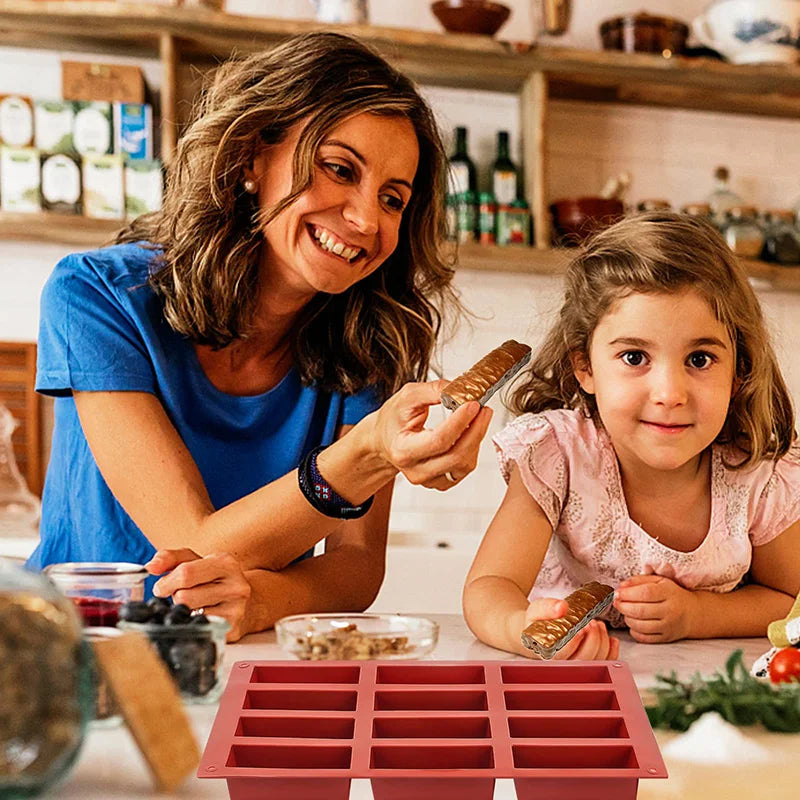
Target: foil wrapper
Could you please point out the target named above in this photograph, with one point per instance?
(486, 377)
(547, 636)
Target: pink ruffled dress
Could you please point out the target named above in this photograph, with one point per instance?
(569, 466)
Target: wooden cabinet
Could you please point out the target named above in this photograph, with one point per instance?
(190, 42)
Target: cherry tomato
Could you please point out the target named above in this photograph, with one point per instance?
(785, 665)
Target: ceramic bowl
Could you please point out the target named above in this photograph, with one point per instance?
(751, 31)
(471, 16)
(577, 218)
(644, 33)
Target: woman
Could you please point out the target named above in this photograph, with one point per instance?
(290, 284)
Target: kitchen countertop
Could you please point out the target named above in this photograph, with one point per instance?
(111, 768)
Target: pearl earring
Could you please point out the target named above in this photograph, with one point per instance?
(250, 186)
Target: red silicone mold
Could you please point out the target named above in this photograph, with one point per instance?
(446, 730)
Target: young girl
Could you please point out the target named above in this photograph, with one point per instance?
(654, 453)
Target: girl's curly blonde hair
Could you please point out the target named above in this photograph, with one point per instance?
(382, 330)
(664, 252)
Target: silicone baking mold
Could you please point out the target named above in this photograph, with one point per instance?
(446, 730)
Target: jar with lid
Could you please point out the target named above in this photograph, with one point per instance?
(45, 667)
(700, 210)
(781, 237)
(98, 589)
(742, 232)
(487, 218)
(722, 199)
(514, 223)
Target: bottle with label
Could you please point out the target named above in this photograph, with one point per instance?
(462, 170)
(467, 215)
(487, 218)
(504, 173)
(722, 199)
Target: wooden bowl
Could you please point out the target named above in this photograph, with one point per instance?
(644, 33)
(471, 16)
(577, 218)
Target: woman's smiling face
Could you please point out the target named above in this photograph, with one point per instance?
(347, 223)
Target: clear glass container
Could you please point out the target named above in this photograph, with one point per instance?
(98, 589)
(742, 232)
(19, 507)
(701, 210)
(45, 681)
(344, 637)
(781, 238)
(106, 714)
(192, 652)
(653, 205)
(722, 199)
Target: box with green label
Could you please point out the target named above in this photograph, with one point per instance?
(143, 187)
(54, 121)
(103, 193)
(20, 180)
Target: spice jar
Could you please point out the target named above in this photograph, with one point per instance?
(653, 205)
(487, 218)
(781, 237)
(513, 223)
(45, 670)
(742, 232)
(700, 210)
(98, 589)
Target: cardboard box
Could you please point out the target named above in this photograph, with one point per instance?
(133, 130)
(54, 121)
(61, 183)
(103, 195)
(92, 131)
(20, 180)
(144, 184)
(85, 80)
(16, 121)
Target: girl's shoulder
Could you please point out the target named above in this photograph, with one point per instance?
(569, 428)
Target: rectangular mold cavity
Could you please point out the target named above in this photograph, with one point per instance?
(296, 727)
(300, 700)
(431, 728)
(542, 756)
(288, 757)
(430, 701)
(548, 700)
(567, 673)
(426, 758)
(461, 673)
(316, 673)
(567, 728)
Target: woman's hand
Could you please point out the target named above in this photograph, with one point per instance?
(591, 643)
(656, 609)
(437, 458)
(215, 583)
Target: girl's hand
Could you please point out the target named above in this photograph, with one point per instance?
(656, 609)
(215, 583)
(591, 643)
(423, 455)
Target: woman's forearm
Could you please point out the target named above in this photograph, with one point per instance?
(344, 579)
(494, 610)
(743, 612)
(272, 526)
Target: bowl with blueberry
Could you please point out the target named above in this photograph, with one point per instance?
(190, 644)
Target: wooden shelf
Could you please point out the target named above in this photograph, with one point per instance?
(58, 229)
(468, 61)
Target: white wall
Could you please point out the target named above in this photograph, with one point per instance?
(669, 154)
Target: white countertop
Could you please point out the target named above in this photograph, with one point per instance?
(110, 767)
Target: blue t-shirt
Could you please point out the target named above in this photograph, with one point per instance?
(102, 329)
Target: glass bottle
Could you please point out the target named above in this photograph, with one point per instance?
(504, 173)
(742, 232)
(722, 199)
(462, 169)
(781, 237)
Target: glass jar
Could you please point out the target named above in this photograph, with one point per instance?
(781, 237)
(742, 232)
(700, 210)
(105, 712)
(653, 205)
(98, 589)
(45, 672)
(722, 199)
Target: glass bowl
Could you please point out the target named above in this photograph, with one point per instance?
(192, 653)
(347, 637)
(98, 589)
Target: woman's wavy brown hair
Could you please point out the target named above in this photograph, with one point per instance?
(381, 331)
(664, 252)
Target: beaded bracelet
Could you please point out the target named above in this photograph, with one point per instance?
(321, 495)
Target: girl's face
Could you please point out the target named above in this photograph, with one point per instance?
(662, 372)
(347, 223)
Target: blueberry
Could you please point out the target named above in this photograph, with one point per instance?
(178, 615)
(159, 608)
(135, 611)
(198, 619)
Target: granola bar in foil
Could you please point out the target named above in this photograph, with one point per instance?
(547, 636)
(491, 373)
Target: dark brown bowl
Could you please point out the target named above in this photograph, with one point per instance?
(644, 33)
(471, 16)
(577, 218)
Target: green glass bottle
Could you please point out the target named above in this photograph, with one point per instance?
(504, 173)
(462, 170)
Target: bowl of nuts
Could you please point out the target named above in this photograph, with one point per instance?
(348, 637)
(190, 644)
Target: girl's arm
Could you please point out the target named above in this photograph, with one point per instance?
(152, 474)
(775, 570)
(495, 596)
